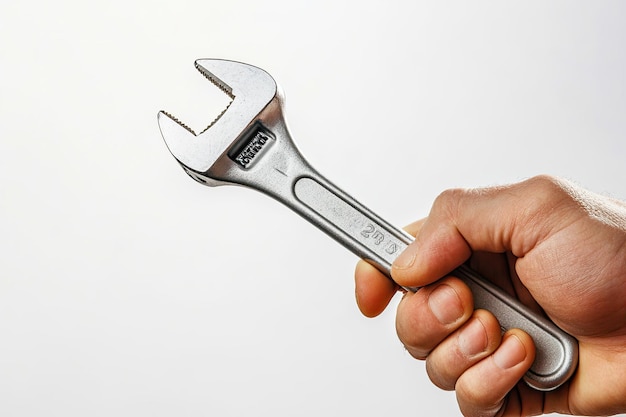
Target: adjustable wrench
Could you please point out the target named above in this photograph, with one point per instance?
(249, 145)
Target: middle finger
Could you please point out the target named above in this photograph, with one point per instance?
(427, 317)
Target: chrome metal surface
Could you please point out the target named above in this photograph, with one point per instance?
(249, 144)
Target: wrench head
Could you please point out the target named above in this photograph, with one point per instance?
(251, 90)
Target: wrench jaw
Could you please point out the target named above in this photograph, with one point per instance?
(252, 91)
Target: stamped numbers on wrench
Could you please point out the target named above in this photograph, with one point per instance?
(379, 237)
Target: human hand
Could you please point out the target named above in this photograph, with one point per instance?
(559, 249)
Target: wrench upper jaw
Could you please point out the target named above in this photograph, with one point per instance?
(251, 89)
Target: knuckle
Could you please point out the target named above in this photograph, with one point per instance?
(465, 348)
(544, 194)
(439, 375)
(478, 402)
(549, 189)
(448, 200)
(420, 328)
(416, 353)
(545, 184)
(415, 340)
(412, 330)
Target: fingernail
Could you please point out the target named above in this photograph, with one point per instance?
(445, 304)
(473, 338)
(406, 259)
(510, 353)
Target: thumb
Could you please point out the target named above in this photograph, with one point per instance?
(496, 219)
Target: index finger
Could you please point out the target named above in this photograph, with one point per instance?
(373, 290)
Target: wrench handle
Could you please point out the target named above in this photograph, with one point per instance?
(379, 243)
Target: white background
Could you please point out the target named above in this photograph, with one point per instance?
(127, 289)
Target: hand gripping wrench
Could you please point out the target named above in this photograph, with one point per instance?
(249, 145)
